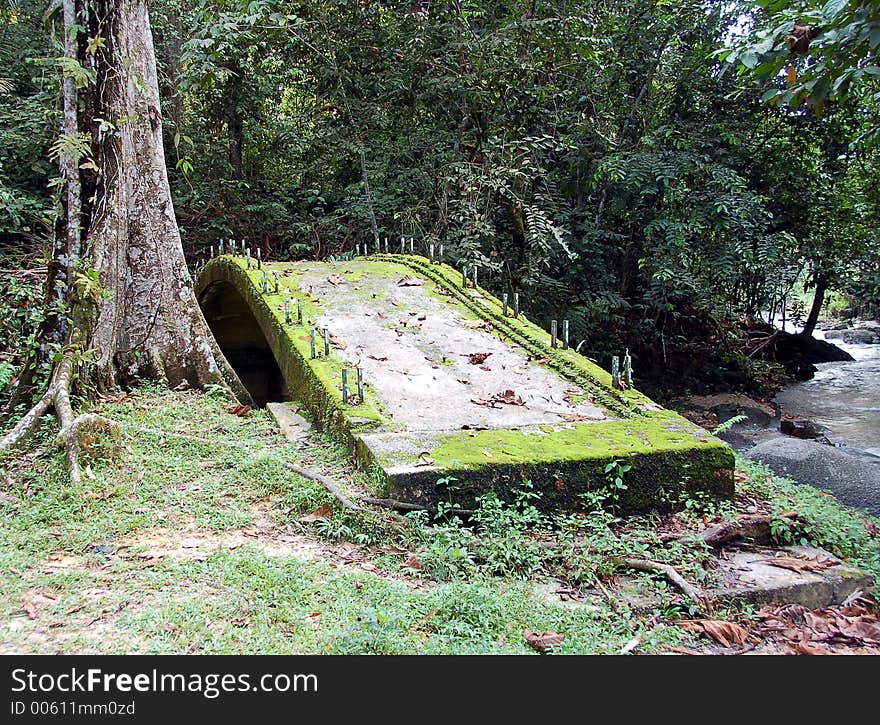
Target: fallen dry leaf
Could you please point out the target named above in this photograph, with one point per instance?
(806, 648)
(861, 631)
(799, 564)
(174, 629)
(31, 610)
(853, 626)
(408, 281)
(542, 361)
(543, 641)
(377, 359)
(242, 411)
(336, 280)
(478, 325)
(413, 563)
(244, 621)
(574, 417)
(570, 393)
(725, 633)
(338, 342)
(477, 358)
(324, 511)
(508, 397)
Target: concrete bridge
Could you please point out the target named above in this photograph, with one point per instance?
(429, 378)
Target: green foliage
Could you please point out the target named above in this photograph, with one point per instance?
(827, 48)
(504, 529)
(594, 157)
(27, 122)
(728, 424)
(20, 316)
(602, 503)
(186, 528)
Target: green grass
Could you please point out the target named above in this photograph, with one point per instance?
(184, 538)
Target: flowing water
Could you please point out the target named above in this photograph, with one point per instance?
(844, 397)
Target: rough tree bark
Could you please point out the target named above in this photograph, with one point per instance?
(147, 321)
(816, 307)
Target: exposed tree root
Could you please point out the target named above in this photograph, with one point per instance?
(28, 422)
(391, 503)
(388, 503)
(346, 502)
(350, 505)
(57, 396)
(693, 593)
(746, 527)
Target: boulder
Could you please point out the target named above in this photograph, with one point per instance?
(811, 350)
(852, 479)
(862, 336)
(802, 428)
(855, 336)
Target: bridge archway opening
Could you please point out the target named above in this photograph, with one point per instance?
(242, 341)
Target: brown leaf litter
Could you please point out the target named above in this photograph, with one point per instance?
(496, 400)
(477, 358)
(544, 642)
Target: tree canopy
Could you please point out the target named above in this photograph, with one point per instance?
(600, 158)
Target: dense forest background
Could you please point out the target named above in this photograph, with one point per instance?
(599, 158)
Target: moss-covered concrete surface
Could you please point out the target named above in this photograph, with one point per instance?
(454, 390)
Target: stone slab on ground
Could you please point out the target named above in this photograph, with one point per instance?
(453, 388)
(748, 575)
(751, 576)
(293, 426)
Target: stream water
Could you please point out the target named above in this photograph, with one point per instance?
(844, 397)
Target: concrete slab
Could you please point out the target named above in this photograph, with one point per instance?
(293, 426)
(748, 575)
(752, 577)
(414, 348)
(454, 389)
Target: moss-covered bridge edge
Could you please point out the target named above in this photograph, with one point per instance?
(671, 458)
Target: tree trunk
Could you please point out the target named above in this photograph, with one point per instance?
(133, 313)
(54, 329)
(234, 121)
(816, 308)
(69, 169)
(147, 322)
